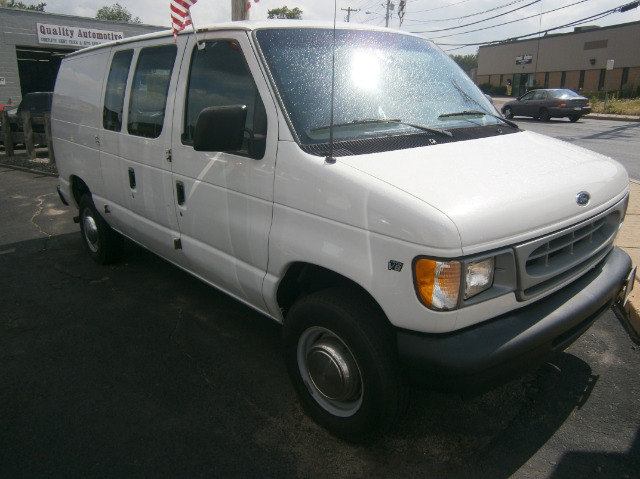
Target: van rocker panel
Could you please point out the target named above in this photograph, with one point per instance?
(495, 351)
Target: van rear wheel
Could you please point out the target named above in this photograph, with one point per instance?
(103, 244)
(341, 358)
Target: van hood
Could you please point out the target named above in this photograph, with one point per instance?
(505, 189)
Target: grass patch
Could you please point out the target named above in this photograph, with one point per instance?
(623, 106)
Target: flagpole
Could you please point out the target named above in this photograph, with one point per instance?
(195, 34)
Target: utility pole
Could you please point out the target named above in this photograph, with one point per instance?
(349, 10)
(239, 10)
(390, 6)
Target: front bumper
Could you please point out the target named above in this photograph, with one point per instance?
(491, 353)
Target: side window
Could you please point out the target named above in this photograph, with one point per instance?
(149, 90)
(114, 96)
(528, 96)
(220, 76)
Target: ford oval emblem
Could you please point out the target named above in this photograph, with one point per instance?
(583, 198)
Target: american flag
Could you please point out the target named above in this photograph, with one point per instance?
(180, 16)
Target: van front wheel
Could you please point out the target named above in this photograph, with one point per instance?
(103, 244)
(343, 364)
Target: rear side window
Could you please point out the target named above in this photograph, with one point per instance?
(220, 76)
(114, 95)
(149, 90)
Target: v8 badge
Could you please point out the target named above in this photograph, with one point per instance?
(395, 265)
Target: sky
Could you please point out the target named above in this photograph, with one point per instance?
(447, 22)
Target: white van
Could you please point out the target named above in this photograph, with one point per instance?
(353, 185)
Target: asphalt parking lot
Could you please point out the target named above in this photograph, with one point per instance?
(140, 370)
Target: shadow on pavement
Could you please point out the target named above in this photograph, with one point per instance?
(140, 370)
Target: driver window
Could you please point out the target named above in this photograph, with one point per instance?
(220, 76)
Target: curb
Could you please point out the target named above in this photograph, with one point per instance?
(631, 311)
(606, 116)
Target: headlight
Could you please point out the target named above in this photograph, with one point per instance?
(439, 283)
(478, 277)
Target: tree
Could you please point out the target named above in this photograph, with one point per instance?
(39, 7)
(117, 13)
(466, 62)
(284, 12)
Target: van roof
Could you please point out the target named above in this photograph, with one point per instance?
(241, 25)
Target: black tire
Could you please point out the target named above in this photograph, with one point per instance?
(103, 244)
(508, 113)
(335, 332)
(574, 118)
(544, 115)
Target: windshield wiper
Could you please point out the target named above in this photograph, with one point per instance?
(478, 113)
(369, 121)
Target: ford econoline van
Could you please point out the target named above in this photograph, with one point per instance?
(354, 185)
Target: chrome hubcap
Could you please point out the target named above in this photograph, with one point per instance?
(330, 372)
(90, 232)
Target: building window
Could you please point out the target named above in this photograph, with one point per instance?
(625, 78)
(563, 79)
(489, 80)
(603, 72)
(546, 80)
(581, 80)
(501, 78)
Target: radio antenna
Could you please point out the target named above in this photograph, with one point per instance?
(330, 158)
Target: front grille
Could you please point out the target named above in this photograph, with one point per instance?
(551, 260)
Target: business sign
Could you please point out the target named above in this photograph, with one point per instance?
(79, 37)
(524, 59)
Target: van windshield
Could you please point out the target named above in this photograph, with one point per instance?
(385, 84)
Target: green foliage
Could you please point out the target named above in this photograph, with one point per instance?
(466, 62)
(117, 13)
(617, 106)
(39, 7)
(493, 90)
(630, 92)
(285, 12)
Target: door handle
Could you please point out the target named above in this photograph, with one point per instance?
(180, 192)
(132, 178)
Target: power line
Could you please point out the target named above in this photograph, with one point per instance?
(467, 16)
(440, 8)
(597, 16)
(507, 23)
(480, 21)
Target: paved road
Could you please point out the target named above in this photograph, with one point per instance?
(617, 139)
(139, 370)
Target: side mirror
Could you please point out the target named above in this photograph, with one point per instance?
(220, 128)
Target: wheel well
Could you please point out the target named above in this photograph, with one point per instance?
(79, 188)
(303, 279)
